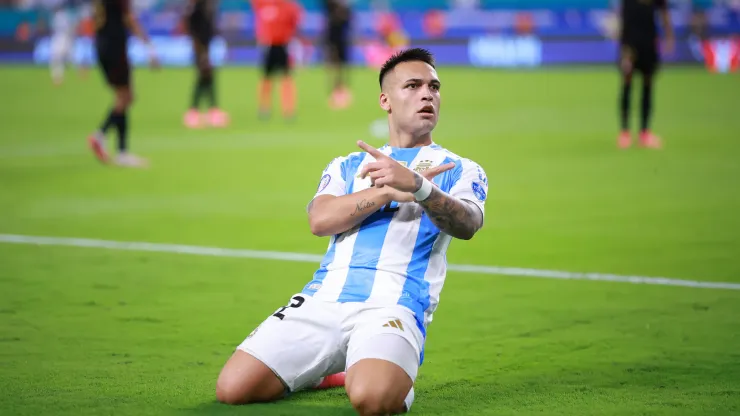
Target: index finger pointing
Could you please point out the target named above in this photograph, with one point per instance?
(371, 150)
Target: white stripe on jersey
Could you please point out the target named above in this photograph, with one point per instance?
(437, 268)
(337, 270)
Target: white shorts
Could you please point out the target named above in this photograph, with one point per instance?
(310, 339)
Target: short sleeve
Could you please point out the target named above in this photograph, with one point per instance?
(472, 184)
(332, 179)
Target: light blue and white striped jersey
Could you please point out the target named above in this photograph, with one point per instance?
(396, 256)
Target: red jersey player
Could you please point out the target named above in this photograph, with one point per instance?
(276, 23)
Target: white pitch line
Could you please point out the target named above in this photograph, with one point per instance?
(314, 258)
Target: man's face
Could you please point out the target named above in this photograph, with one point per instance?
(411, 96)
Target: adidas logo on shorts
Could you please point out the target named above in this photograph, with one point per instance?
(395, 324)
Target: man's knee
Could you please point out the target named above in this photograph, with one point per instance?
(376, 399)
(124, 97)
(377, 387)
(244, 379)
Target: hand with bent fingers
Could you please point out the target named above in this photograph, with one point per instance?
(387, 172)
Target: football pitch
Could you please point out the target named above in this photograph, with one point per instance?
(121, 329)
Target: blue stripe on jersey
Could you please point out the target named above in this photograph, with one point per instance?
(349, 169)
(415, 295)
(369, 243)
(454, 174)
(318, 277)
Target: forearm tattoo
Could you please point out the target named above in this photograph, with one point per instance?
(362, 206)
(456, 217)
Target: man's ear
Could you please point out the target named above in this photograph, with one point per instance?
(385, 102)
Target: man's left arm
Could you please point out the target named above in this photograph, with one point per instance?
(459, 213)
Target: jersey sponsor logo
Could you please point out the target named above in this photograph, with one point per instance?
(314, 286)
(324, 182)
(479, 191)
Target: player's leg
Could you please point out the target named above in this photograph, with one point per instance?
(338, 56)
(648, 70)
(293, 349)
(118, 74)
(383, 362)
(216, 116)
(59, 46)
(626, 66)
(246, 379)
(265, 86)
(332, 64)
(124, 98)
(288, 93)
(192, 117)
(345, 98)
(106, 63)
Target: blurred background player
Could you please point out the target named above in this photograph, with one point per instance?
(276, 24)
(337, 38)
(393, 39)
(113, 20)
(200, 22)
(63, 23)
(639, 51)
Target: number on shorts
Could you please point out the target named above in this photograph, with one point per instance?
(298, 301)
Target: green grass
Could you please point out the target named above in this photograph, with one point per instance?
(90, 331)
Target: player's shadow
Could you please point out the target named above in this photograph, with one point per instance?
(299, 404)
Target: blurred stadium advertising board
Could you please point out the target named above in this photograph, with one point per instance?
(529, 33)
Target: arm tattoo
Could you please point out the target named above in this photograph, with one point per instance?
(456, 217)
(361, 206)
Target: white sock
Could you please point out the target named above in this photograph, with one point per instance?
(409, 399)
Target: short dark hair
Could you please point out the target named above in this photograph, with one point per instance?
(409, 55)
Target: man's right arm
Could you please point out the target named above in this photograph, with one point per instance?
(330, 215)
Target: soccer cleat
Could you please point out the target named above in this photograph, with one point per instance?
(625, 140)
(218, 118)
(331, 381)
(192, 119)
(95, 141)
(649, 140)
(127, 160)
